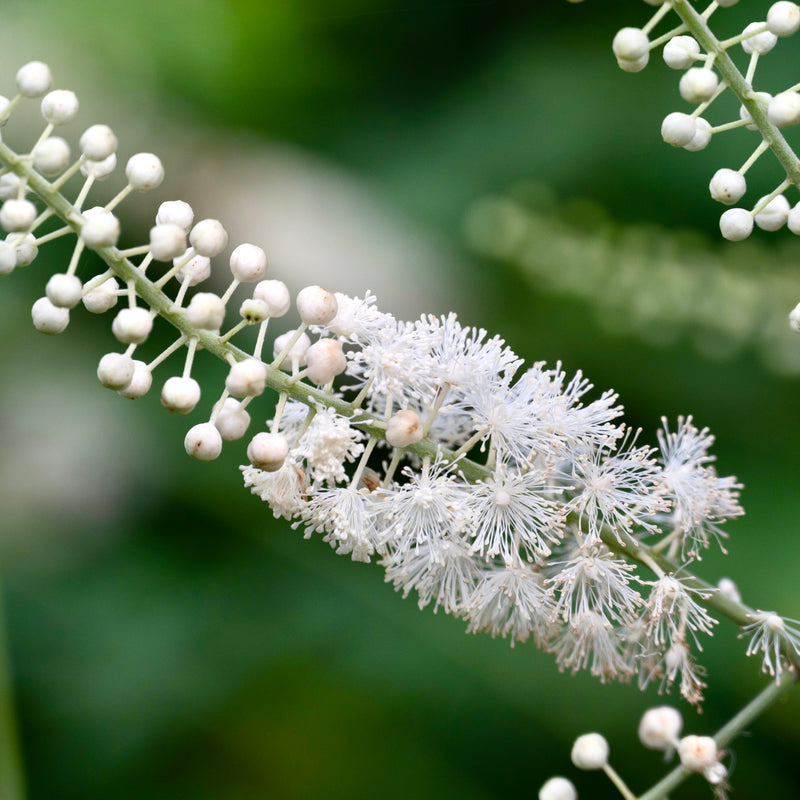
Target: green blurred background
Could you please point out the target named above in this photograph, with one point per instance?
(170, 639)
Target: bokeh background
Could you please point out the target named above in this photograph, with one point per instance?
(169, 639)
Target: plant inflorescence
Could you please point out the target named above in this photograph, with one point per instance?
(511, 497)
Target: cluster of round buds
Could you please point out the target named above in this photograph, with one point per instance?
(183, 249)
(660, 729)
(700, 85)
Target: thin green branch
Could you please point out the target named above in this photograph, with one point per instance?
(698, 26)
(212, 342)
(760, 703)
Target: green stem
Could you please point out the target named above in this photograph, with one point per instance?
(699, 28)
(760, 703)
(151, 293)
(12, 784)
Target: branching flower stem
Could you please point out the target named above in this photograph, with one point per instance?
(739, 613)
(283, 384)
(697, 25)
(763, 700)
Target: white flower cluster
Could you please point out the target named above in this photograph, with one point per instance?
(502, 495)
(504, 514)
(700, 85)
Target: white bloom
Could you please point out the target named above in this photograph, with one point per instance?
(678, 662)
(442, 571)
(672, 611)
(702, 501)
(346, 515)
(388, 361)
(515, 512)
(617, 489)
(594, 579)
(511, 601)
(358, 320)
(284, 490)
(591, 641)
(431, 506)
(327, 445)
(770, 634)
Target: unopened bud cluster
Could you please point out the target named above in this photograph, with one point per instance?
(660, 729)
(700, 85)
(501, 494)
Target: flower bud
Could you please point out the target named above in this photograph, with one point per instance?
(761, 43)
(98, 142)
(590, 751)
(698, 84)
(203, 442)
(115, 371)
(101, 228)
(633, 66)
(144, 171)
(100, 170)
(17, 215)
(132, 325)
(248, 263)
(774, 214)
(34, 79)
(26, 250)
(64, 290)
(404, 428)
(167, 241)
(268, 451)
(206, 310)
(702, 136)
(660, 728)
(794, 318)
(48, 318)
(558, 789)
(297, 355)
(102, 298)
(784, 109)
(316, 306)
(728, 588)
(51, 156)
(325, 360)
(175, 212)
(8, 258)
(140, 383)
(727, 186)
(180, 395)
(678, 129)
(9, 186)
(208, 237)
(232, 421)
(630, 44)
(275, 294)
(736, 224)
(196, 270)
(783, 18)
(246, 378)
(680, 52)
(60, 107)
(697, 753)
